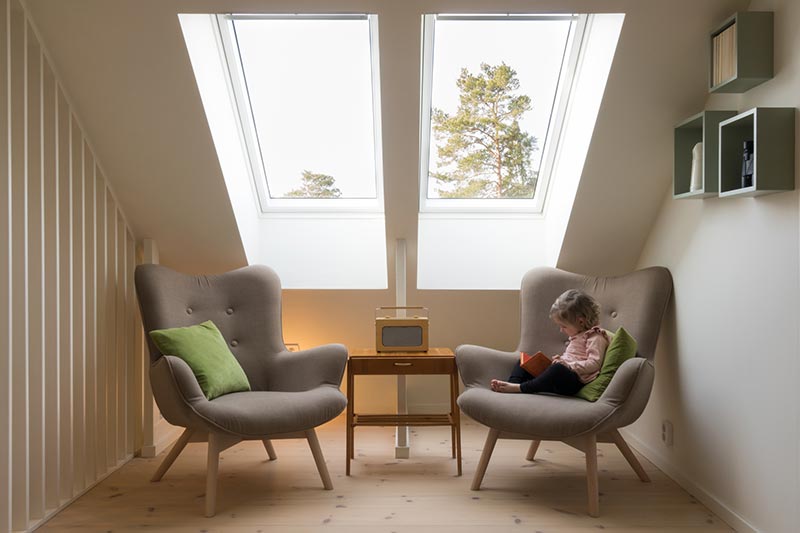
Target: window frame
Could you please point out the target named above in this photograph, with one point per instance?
(240, 99)
(533, 206)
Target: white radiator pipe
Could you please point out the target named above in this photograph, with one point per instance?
(401, 450)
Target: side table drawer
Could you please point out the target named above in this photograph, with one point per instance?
(410, 365)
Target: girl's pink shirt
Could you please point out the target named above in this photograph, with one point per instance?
(584, 353)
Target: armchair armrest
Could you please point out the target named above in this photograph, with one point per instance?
(175, 389)
(479, 365)
(629, 391)
(308, 369)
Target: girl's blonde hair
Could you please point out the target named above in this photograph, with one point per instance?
(573, 305)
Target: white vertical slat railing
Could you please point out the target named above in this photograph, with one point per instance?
(102, 321)
(78, 347)
(5, 276)
(111, 334)
(133, 363)
(64, 225)
(90, 331)
(19, 274)
(68, 323)
(35, 237)
(51, 291)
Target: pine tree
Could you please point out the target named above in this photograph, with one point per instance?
(315, 185)
(483, 153)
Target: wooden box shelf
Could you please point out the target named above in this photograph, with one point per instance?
(772, 131)
(741, 51)
(702, 127)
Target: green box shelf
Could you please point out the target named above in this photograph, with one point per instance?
(747, 61)
(772, 131)
(702, 127)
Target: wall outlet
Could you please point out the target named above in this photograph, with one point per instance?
(666, 432)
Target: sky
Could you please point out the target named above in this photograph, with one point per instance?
(310, 85)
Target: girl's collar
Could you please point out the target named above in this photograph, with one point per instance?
(596, 329)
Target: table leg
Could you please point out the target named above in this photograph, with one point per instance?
(453, 436)
(456, 417)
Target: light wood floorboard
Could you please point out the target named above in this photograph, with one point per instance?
(385, 494)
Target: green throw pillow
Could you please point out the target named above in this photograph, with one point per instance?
(205, 351)
(621, 348)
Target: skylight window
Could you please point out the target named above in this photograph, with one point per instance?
(494, 93)
(497, 233)
(306, 88)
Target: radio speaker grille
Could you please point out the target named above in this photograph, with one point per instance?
(401, 335)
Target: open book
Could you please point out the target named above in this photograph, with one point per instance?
(534, 364)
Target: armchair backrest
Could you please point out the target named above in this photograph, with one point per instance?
(244, 304)
(635, 301)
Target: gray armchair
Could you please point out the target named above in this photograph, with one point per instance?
(635, 301)
(292, 393)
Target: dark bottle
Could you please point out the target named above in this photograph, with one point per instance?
(747, 164)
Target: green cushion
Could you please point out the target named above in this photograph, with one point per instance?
(621, 348)
(205, 351)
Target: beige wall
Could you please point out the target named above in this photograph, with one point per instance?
(727, 364)
(66, 408)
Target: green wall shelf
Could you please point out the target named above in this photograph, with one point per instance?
(746, 61)
(772, 131)
(702, 127)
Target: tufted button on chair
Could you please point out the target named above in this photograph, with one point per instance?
(292, 393)
(635, 301)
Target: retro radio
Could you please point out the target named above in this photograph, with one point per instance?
(401, 329)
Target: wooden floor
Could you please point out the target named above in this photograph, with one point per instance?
(385, 494)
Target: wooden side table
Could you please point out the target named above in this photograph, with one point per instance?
(371, 363)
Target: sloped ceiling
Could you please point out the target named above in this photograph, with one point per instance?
(125, 66)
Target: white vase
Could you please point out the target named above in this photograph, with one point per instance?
(696, 182)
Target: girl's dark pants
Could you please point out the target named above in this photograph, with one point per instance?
(557, 379)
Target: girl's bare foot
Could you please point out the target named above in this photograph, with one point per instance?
(504, 386)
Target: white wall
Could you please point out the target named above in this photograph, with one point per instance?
(727, 363)
(67, 317)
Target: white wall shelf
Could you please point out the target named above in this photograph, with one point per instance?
(772, 131)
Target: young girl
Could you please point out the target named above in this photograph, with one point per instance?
(577, 315)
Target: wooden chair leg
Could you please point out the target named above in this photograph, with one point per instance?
(488, 448)
(214, 448)
(627, 453)
(316, 451)
(532, 450)
(173, 454)
(591, 476)
(270, 449)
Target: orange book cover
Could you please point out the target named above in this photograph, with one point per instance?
(534, 364)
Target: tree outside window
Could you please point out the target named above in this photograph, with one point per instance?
(315, 185)
(482, 151)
